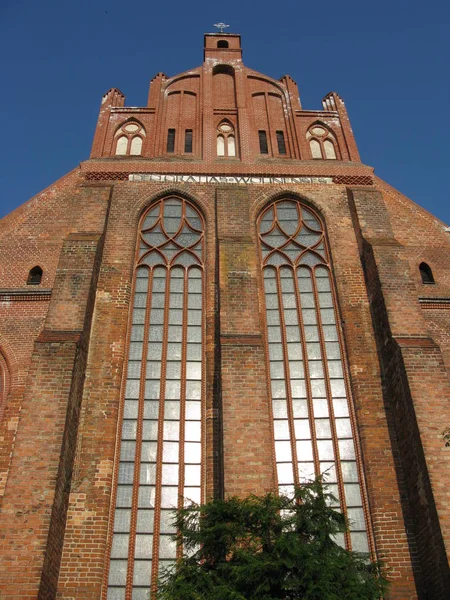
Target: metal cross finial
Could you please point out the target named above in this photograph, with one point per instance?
(221, 26)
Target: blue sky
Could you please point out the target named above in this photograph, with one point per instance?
(388, 61)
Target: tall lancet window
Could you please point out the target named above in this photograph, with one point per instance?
(313, 423)
(160, 454)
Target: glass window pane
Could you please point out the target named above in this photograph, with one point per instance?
(192, 452)
(300, 409)
(124, 493)
(306, 471)
(281, 430)
(340, 407)
(166, 523)
(142, 572)
(352, 494)
(153, 370)
(298, 388)
(343, 428)
(278, 388)
(302, 429)
(359, 542)
(167, 547)
(117, 572)
(143, 548)
(304, 451)
(122, 520)
(320, 407)
(356, 519)
(120, 546)
(170, 452)
(151, 409)
(115, 594)
(148, 452)
(284, 473)
(323, 429)
(126, 472)
(147, 474)
(279, 409)
(192, 494)
(146, 497)
(171, 409)
(193, 410)
(127, 450)
(169, 496)
(192, 475)
(325, 448)
(283, 451)
(130, 409)
(192, 431)
(193, 390)
(346, 449)
(349, 471)
(150, 430)
(144, 522)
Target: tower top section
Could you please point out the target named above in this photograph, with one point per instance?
(222, 46)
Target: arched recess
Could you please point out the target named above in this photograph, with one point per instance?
(226, 139)
(314, 427)
(322, 142)
(128, 138)
(224, 87)
(426, 273)
(5, 379)
(160, 449)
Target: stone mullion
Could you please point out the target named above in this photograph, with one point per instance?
(301, 326)
(138, 451)
(287, 381)
(183, 398)
(334, 437)
(159, 453)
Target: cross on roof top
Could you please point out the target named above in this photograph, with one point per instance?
(221, 26)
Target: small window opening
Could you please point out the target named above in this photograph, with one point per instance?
(34, 276)
(263, 147)
(426, 273)
(281, 143)
(222, 44)
(188, 141)
(136, 146)
(171, 140)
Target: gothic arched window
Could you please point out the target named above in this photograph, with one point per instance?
(321, 142)
(226, 141)
(160, 460)
(426, 273)
(35, 276)
(312, 417)
(129, 139)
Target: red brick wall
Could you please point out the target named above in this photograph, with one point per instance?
(65, 342)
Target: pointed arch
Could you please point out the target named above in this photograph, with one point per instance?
(130, 136)
(226, 139)
(426, 273)
(322, 141)
(160, 457)
(35, 276)
(313, 419)
(5, 379)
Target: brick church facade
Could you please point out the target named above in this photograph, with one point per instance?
(222, 300)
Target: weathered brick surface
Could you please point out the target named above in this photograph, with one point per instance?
(63, 346)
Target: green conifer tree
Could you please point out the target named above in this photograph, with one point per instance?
(268, 548)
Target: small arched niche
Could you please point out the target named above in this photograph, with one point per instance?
(426, 273)
(222, 44)
(35, 276)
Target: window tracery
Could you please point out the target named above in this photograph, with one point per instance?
(160, 461)
(312, 415)
(226, 140)
(130, 138)
(322, 142)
